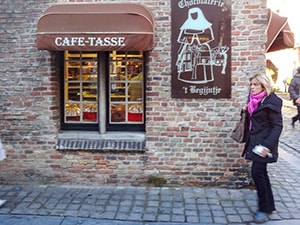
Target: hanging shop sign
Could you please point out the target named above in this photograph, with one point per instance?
(201, 49)
(89, 41)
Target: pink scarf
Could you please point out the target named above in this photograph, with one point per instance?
(254, 101)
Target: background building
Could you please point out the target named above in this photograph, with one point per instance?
(286, 61)
(68, 115)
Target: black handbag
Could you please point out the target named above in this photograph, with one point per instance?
(240, 131)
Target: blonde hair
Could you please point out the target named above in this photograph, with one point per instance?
(264, 81)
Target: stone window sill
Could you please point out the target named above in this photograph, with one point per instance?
(93, 141)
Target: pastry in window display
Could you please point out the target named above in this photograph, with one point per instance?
(135, 108)
(135, 112)
(90, 112)
(88, 94)
(72, 112)
(74, 63)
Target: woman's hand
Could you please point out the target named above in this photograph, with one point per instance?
(265, 152)
(262, 151)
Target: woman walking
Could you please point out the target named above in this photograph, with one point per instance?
(261, 147)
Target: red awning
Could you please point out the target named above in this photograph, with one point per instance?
(279, 34)
(96, 27)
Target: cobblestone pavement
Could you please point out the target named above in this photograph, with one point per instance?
(289, 138)
(72, 205)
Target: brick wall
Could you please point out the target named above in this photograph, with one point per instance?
(187, 140)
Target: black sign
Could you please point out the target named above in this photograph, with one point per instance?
(201, 48)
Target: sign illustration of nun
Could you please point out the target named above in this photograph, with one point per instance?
(195, 52)
(200, 50)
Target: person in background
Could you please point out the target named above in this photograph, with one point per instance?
(294, 90)
(2, 157)
(261, 147)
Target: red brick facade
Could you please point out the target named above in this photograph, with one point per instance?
(187, 140)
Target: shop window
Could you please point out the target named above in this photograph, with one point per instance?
(126, 88)
(103, 90)
(81, 88)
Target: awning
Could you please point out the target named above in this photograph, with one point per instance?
(279, 34)
(96, 27)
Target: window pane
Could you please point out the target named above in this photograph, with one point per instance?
(118, 112)
(81, 89)
(126, 88)
(72, 112)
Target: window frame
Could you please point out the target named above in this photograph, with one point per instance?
(103, 125)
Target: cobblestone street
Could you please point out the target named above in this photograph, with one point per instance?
(289, 139)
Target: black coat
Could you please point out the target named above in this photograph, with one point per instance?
(294, 87)
(266, 129)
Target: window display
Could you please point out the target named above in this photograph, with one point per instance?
(81, 89)
(126, 87)
(123, 89)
